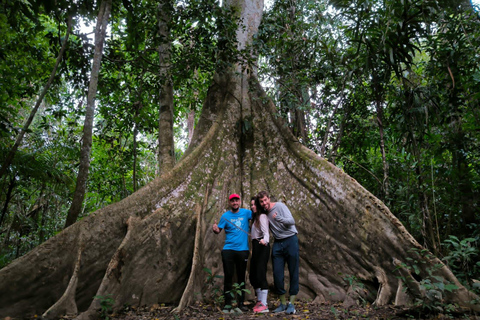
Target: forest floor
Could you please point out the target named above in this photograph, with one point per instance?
(305, 310)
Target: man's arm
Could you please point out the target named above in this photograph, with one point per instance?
(283, 215)
(215, 228)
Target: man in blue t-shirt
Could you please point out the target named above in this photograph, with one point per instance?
(235, 251)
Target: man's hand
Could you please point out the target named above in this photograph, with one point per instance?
(263, 243)
(274, 215)
(215, 227)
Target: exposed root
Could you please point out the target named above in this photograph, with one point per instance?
(324, 290)
(187, 295)
(385, 291)
(66, 304)
(114, 267)
(413, 285)
(355, 295)
(402, 298)
(317, 287)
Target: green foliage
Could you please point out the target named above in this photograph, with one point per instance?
(213, 293)
(432, 287)
(237, 290)
(106, 304)
(462, 256)
(357, 287)
(353, 282)
(334, 312)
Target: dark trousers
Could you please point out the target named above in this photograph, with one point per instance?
(258, 265)
(234, 261)
(286, 250)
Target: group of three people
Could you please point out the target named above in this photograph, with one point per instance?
(265, 216)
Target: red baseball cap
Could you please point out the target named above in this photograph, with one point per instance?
(233, 196)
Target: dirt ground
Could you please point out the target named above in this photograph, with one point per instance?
(305, 310)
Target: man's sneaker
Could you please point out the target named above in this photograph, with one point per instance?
(225, 310)
(290, 309)
(280, 308)
(243, 307)
(260, 308)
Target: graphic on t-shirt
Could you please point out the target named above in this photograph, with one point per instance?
(236, 228)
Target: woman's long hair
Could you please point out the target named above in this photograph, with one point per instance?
(260, 210)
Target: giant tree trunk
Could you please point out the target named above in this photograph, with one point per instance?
(151, 247)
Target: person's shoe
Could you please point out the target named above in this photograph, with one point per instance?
(225, 310)
(257, 305)
(280, 308)
(243, 307)
(260, 308)
(237, 311)
(290, 309)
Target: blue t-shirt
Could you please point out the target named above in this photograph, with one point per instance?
(233, 224)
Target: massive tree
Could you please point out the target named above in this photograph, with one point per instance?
(152, 246)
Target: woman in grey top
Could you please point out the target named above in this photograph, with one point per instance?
(260, 255)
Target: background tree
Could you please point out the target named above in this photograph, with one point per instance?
(100, 32)
(166, 148)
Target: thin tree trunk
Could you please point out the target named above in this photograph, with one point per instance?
(137, 106)
(467, 203)
(41, 234)
(21, 134)
(427, 223)
(300, 124)
(135, 132)
(190, 124)
(166, 149)
(385, 183)
(329, 124)
(333, 154)
(80, 188)
(298, 114)
(11, 185)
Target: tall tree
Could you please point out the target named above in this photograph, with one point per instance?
(82, 177)
(166, 147)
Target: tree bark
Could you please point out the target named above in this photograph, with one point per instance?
(82, 177)
(289, 84)
(166, 148)
(329, 125)
(146, 248)
(190, 124)
(21, 134)
(385, 184)
(338, 139)
(11, 185)
(134, 178)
